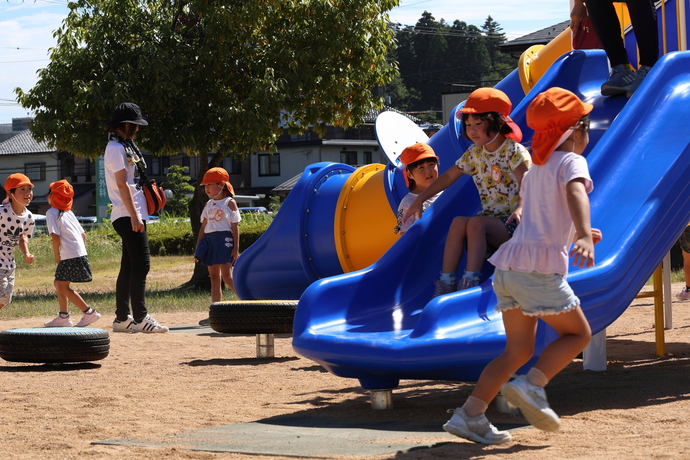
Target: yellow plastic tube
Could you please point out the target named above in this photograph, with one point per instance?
(364, 221)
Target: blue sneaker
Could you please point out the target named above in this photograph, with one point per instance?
(619, 82)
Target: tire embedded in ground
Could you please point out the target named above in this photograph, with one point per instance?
(54, 345)
(253, 316)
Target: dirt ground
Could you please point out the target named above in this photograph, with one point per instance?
(153, 386)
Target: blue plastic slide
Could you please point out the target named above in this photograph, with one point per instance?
(380, 324)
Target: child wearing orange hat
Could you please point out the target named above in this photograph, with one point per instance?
(218, 243)
(529, 281)
(69, 249)
(17, 225)
(421, 169)
(497, 162)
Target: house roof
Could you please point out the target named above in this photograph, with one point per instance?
(540, 37)
(287, 185)
(23, 143)
(373, 113)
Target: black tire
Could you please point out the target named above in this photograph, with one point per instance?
(253, 316)
(54, 345)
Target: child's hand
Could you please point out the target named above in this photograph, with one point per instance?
(414, 212)
(516, 216)
(29, 258)
(583, 253)
(596, 235)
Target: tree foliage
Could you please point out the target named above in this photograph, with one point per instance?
(433, 54)
(210, 75)
(178, 183)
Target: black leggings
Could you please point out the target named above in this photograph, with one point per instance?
(608, 29)
(134, 267)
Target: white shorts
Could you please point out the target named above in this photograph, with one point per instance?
(536, 294)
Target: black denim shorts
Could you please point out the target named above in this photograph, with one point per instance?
(684, 240)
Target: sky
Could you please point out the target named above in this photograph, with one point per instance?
(26, 32)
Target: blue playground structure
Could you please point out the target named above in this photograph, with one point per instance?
(377, 322)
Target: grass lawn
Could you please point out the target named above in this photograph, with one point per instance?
(34, 294)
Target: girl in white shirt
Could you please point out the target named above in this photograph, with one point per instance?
(69, 249)
(529, 281)
(219, 238)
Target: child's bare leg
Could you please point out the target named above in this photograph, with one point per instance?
(480, 231)
(520, 332)
(455, 244)
(574, 335)
(686, 267)
(216, 287)
(226, 273)
(66, 293)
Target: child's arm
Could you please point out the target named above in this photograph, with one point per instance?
(520, 172)
(24, 247)
(441, 183)
(236, 238)
(201, 236)
(56, 247)
(578, 205)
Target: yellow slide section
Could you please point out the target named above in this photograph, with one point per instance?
(364, 221)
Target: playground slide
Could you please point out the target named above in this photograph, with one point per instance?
(380, 324)
(338, 220)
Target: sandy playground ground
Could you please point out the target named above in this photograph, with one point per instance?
(154, 386)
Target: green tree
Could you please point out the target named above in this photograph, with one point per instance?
(178, 183)
(210, 76)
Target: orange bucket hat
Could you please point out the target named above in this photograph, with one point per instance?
(551, 115)
(13, 181)
(414, 153)
(16, 180)
(484, 100)
(215, 175)
(61, 195)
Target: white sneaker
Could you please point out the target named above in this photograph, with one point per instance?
(88, 319)
(148, 324)
(477, 429)
(123, 326)
(684, 294)
(531, 399)
(59, 322)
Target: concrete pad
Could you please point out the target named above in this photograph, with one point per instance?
(312, 437)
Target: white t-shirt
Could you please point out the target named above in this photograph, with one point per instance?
(12, 229)
(405, 204)
(541, 241)
(219, 217)
(116, 160)
(67, 227)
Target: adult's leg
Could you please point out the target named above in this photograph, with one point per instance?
(134, 268)
(643, 18)
(608, 29)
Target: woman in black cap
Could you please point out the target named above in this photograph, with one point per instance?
(129, 217)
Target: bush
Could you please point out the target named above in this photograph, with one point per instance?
(167, 237)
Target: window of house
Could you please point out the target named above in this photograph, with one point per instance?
(366, 158)
(269, 165)
(35, 171)
(349, 158)
(154, 164)
(232, 165)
